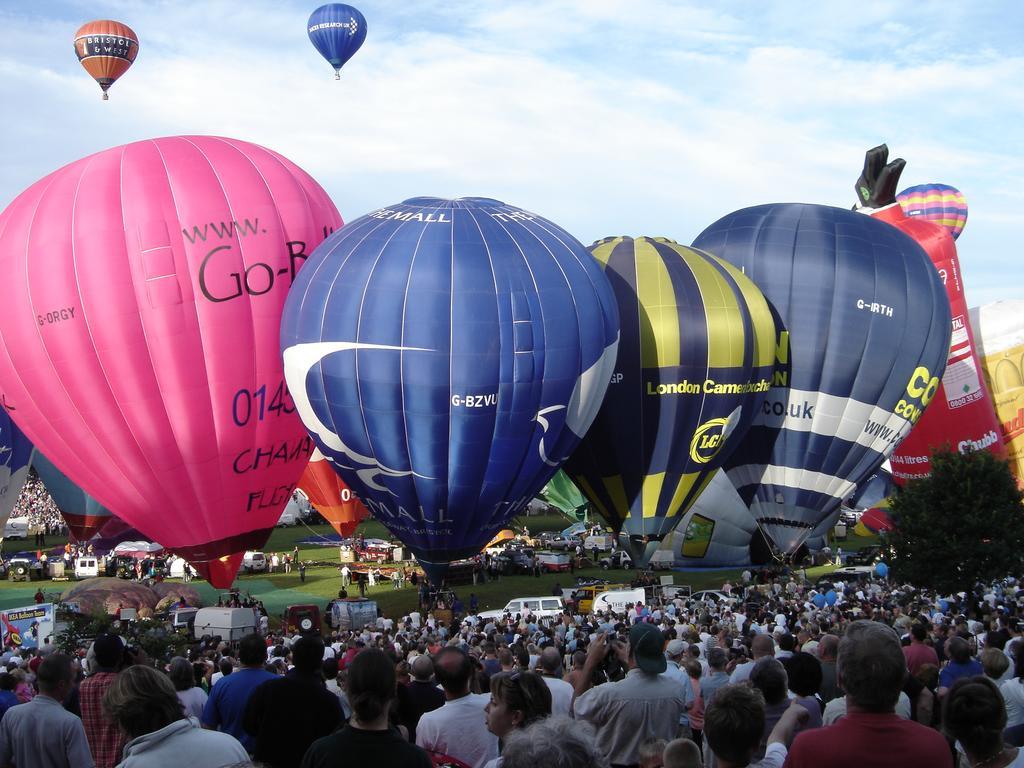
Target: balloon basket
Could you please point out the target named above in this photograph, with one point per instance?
(106, 96)
(337, 75)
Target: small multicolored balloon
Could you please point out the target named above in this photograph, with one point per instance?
(940, 203)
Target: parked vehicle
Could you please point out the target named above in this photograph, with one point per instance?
(183, 618)
(516, 560)
(87, 567)
(582, 599)
(618, 559)
(231, 624)
(19, 569)
(376, 551)
(863, 556)
(16, 528)
(302, 619)
(352, 613)
(603, 542)
(554, 562)
(711, 596)
(291, 515)
(254, 562)
(540, 607)
(559, 541)
(618, 600)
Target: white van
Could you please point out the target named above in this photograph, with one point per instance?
(16, 528)
(292, 514)
(87, 567)
(618, 600)
(231, 624)
(602, 542)
(254, 562)
(540, 607)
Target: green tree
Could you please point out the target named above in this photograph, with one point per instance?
(962, 525)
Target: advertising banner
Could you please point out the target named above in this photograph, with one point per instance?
(28, 627)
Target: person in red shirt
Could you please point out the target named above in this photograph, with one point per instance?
(919, 653)
(871, 670)
(106, 741)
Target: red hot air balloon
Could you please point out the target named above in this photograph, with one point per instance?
(331, 497)
(139, 335)
(106, 49)
(960, 413)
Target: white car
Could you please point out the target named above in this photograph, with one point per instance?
(541, 607)
(712, 596)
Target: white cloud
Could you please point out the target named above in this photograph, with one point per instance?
(606, 118)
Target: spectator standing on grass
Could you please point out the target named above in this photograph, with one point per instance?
(298, 705)
(643, 706)
(106, 740)
(192, 697)
(143, 703)
(459, 728)
(420, 696)
(368, 739)
(871, 669)
(42, 734)
(518, 699)
(225, 708)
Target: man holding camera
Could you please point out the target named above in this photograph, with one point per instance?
(642, 707)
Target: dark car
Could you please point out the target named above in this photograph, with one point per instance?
(864, 556)
(516, 560)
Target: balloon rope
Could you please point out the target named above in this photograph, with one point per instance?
(318, 535)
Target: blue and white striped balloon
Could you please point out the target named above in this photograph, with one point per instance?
(864, 333)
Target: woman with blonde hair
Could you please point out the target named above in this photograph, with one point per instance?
(145, 706)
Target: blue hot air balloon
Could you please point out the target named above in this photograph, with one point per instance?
(16, 452)
(864, 333)
(446, 356)
(83, 514)
(337, 31)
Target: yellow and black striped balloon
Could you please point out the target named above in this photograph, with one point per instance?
(696, 356)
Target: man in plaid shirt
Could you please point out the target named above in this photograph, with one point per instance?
(106, 741)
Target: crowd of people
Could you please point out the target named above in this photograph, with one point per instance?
(887, 675)
(35, 503)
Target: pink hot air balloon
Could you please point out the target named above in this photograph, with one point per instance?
(142, 293)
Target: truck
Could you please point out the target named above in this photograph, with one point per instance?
(554, 562)
(16, 528)
(231, 624)
(619, 600)
(352, 613)
(618, 559)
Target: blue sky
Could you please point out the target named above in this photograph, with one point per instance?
(643, 118)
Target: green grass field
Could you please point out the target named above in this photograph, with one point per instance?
(323, 577)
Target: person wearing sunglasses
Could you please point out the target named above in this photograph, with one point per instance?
(517, 700)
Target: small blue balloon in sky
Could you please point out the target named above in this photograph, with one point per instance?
(337, 31)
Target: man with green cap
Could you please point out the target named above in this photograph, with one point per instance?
(643, 706)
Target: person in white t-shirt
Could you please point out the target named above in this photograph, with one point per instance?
(550, 667)
(458, 729)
